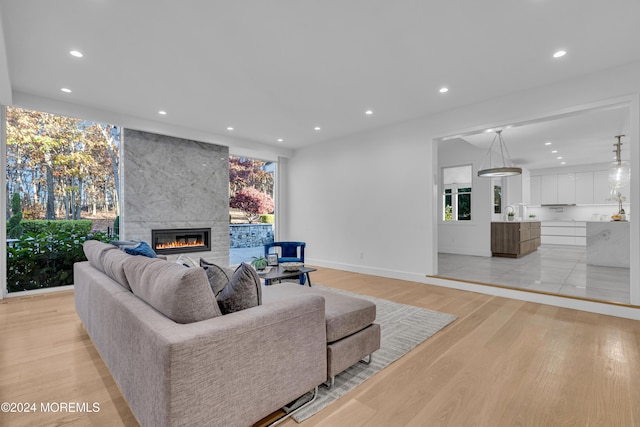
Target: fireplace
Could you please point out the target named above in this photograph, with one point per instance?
(181, 240)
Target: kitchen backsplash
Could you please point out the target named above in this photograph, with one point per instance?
(577, 213)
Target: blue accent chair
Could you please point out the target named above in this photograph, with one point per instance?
(289, 252)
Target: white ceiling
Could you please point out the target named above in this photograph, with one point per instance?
(584, 138)
(276, 69)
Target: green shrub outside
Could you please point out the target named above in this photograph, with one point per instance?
(266, 219)
(45, 259)
(14, 224)
(75, 226)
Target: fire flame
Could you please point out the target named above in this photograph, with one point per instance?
(171, 245)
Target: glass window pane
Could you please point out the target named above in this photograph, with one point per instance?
(456, 193)
(464, 207)
(457, 175)
(62, 184)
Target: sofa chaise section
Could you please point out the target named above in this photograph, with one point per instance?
(228, 370)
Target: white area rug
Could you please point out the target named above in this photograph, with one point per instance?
(403, 328)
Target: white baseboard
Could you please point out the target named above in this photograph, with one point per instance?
(38, 291)
(373, 271)
(463, 251)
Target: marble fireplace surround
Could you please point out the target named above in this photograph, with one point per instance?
(170, 182)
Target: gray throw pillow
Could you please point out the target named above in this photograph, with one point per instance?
(243, 291)
(181, 294)
(93, 250)
(218, 276)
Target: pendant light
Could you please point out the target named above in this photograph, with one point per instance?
(619, 170)
(506, 168)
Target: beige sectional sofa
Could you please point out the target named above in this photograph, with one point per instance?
(178, 361)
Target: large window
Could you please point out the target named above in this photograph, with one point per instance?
(456, 193)
(62, 188)
(252, 186)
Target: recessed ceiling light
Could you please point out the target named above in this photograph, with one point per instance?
(547, 143)
(316, 128)
(280, 139)
(559, 157)
(559, 54)
(563, 163)
(162, 112)
(444, 89)
(66, 90)
(554, 151)
(368, 112)
(230, 128)
(76, 53)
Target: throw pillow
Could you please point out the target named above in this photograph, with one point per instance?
(186, 261)
(181, 294)
(243, 291)
(141, 248)
(124, 243)
(93, 250)
(218, 276)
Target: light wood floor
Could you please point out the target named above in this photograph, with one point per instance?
(501, 363)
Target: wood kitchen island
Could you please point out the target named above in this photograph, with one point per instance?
(514, 239)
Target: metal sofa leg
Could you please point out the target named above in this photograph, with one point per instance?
(367, 362)
(329, 383)
(279, 420)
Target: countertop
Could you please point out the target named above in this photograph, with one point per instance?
(526, 220)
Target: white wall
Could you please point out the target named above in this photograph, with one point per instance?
(5, 82)
(363, 204)
(348, 195)
(466, 237)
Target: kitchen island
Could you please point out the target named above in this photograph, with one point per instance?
(514, 239)
(608, 243)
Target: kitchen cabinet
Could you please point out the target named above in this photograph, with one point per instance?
(535, 191)
(566, 189)
(519, 188)
(581, 188)
(558, 189)
(601, 190)
(514, 239)
(549, 189)
(563, 233)
(584, 188)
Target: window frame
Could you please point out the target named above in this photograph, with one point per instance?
(453, 191)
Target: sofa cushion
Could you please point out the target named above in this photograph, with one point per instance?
(113, 266)
(93, 250)
(181, 294)
(243, 291)
(344, 314)
(218, 276)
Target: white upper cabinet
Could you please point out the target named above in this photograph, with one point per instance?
(548, 189)
(519, 188)
(581, 188)
(601, 190)
(584, 188)
(567, 188)
(535, 190)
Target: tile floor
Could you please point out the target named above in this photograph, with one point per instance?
(557, 269)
